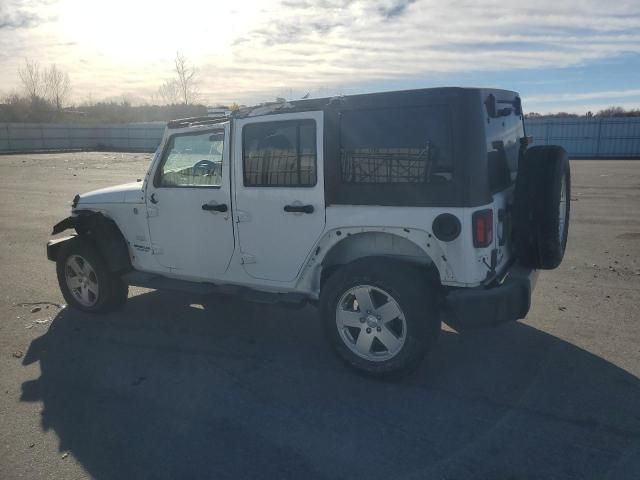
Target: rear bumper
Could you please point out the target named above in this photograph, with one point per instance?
(487, 306)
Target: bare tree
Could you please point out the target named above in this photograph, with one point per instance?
(31, 79)
(610, 112)
(187, 81)
(168, 92)
(57, 86)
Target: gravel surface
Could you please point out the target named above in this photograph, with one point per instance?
(177, 386)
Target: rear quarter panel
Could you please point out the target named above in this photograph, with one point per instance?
(457, 261)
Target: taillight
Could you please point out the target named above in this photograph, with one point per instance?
(482, 221)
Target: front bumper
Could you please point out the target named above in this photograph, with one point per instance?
(502, 302)
(53, 246)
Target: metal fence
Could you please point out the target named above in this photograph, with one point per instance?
(589, 137)
(581, 137)
(34, 137)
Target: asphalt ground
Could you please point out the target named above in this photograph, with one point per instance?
(178, 387)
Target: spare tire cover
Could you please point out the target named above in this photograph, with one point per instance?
(541, 207)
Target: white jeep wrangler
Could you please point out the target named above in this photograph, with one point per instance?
(392, 211)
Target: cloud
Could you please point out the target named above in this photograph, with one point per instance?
(576, 97)
(18, 20)
(254, 50)
(396, 9)
(307, 45)
(21, 14)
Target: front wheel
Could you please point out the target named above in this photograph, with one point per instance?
(381, 316)
(85, 281)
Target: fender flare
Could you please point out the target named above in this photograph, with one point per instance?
(433, 256)
(103, 232)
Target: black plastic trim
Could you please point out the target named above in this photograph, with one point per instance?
(492, 305)
(103, 232)
(67, 223)
(53, 247)
(160, 282)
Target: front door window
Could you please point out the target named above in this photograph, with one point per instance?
(193, 160)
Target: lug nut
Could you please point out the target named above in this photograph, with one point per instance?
(379, 329)
(368, 330)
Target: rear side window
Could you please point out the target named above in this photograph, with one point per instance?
(279, 154)
(397, 145)
(504, 151)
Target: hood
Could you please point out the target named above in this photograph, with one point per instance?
(126, 193)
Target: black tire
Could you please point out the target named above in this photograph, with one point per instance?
(409, 288)
(112, 291)
(539, 241)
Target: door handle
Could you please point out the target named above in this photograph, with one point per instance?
(153, 198)
(298, 208)
(215, 208)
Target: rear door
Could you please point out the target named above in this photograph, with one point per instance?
(189, 204)
(279, 192)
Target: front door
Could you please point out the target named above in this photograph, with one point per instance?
(279, 192)
(189, 205)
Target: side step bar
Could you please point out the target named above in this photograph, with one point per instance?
(160, 282)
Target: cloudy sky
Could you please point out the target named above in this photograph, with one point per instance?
(572, 55)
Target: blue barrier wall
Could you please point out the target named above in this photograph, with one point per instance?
(589, 137)
(33, 137)
(581, 137)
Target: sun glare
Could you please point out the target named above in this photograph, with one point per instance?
(125, 31)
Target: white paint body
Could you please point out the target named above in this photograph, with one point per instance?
(259, 245)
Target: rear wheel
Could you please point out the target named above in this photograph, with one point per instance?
(380, 316)
(85, 281)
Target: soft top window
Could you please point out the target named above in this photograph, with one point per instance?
(396, 145)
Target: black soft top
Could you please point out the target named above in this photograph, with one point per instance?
(371, 100)
(459, 115)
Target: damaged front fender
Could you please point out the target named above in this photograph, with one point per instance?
(67, 223)
(101, 231)
(54, 246)
(78, 219)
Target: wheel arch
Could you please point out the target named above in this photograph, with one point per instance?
(102, 232)
(390, 245)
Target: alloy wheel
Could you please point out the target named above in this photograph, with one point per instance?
(371, 323)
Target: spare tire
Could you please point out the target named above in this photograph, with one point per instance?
(541, 207)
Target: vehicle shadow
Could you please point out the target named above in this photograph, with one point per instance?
(169, 389)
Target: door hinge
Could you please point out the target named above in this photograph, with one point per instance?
(245, 258)
(242, 216)
(156, 250)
